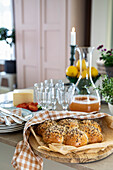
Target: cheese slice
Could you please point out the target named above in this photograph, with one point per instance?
(22, 96)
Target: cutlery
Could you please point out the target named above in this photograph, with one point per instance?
(12, 114)
(12, 117)
(7, 122)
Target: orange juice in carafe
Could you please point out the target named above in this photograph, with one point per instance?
(85, 103)
(86, 96)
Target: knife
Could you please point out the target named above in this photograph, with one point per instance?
(12, 114)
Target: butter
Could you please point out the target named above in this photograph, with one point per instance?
(22, 96)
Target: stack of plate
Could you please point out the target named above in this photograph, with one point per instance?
(14, 126)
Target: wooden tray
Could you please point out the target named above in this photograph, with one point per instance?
(83, 156)
(69, 158)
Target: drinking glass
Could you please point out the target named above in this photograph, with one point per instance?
(38, 87)
(65, 95)
(43, 98)
(48, 84)
(64, 99)
(53, 98)
(59, 86)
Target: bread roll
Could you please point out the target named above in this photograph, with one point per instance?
(43, 126)
(70, 132)
(93, 134)
(53, 134)
(75, 137)
(91, 123)
(69, 123)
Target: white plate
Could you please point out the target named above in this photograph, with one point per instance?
(6, 103)
(11, 130)
(15, 127)
(12, 126)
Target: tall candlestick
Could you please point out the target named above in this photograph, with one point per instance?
(73, 37)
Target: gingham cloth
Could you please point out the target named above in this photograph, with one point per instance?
(24, 158)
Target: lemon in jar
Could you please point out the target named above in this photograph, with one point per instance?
(83, 74)
(72, 71)
(94, 72)
(83, 64)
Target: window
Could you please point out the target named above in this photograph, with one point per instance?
(6, 20)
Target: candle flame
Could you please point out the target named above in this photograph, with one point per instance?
(73, 29)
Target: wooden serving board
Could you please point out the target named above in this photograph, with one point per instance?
(79, 157)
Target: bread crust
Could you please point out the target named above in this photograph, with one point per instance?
(70, 132)
(69, 123)
(75, 137)
(91, 123)
(54, 134)
(93, 134)
(43, 126)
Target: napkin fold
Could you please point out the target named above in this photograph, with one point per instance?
(24, 158)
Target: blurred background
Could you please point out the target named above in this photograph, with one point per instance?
(41, 41)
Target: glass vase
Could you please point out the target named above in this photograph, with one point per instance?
(86, 97)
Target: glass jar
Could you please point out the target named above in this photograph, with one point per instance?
(86, 97)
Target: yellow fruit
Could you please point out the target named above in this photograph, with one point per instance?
(84, 73)
(88, 71)
(83, 64)
(78, 74)
(94, 72)
(71, 71)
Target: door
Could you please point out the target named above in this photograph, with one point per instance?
(27, 23)
(40, 40)
(53, 40)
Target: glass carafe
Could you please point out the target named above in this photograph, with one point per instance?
(86, 97)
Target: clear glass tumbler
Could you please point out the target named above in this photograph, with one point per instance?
(65, 95)
(53, 98)
(38, 87)
(43, 99)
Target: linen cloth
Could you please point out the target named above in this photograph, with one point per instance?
(24, 158)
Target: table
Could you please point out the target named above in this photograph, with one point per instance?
(13, 138)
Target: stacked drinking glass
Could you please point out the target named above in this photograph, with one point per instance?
(47, 94)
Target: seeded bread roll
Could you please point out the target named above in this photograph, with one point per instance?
(75, 137)
(93, 134)
(70, 132)
(69, 123)
(54, 134)
(43, 126)
(91, 123)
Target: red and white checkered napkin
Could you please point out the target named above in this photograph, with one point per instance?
(24, 158)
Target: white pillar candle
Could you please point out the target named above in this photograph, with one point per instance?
(73, 37)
